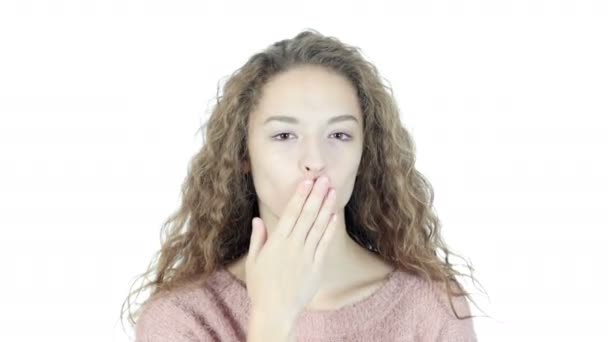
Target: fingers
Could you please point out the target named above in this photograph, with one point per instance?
(321, 224)
(328, 234)
(310, 212)
(258, 238)
(293, 209)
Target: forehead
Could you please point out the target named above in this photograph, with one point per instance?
(308, 93)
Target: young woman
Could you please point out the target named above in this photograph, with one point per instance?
(256, 254)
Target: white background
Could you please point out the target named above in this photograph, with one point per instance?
(100, 102)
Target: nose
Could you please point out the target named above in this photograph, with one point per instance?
(312, 161)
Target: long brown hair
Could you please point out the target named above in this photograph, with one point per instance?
(391, 208)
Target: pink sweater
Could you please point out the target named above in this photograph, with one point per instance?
(405, 308)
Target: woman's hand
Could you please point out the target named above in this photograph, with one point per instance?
(284, 271)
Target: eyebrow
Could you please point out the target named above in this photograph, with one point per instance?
(292, 120)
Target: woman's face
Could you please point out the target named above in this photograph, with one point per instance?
(307, 124)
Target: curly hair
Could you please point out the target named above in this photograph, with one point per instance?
(390, 211)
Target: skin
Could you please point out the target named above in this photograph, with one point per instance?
(284, 154)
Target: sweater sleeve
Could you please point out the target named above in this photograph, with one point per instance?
(164, 320)
(455, 330)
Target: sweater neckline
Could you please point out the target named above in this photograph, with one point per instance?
(356, 316)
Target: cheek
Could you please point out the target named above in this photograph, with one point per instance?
(272, 189)
(345, 191)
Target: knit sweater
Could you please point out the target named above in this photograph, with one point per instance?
(404, 308)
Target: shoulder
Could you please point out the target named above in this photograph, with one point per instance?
(438, 292)
(171, 316)
(436, 319)
(163, 319)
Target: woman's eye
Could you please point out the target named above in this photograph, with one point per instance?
(342, 134)
(281, 135)
(348, 137)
